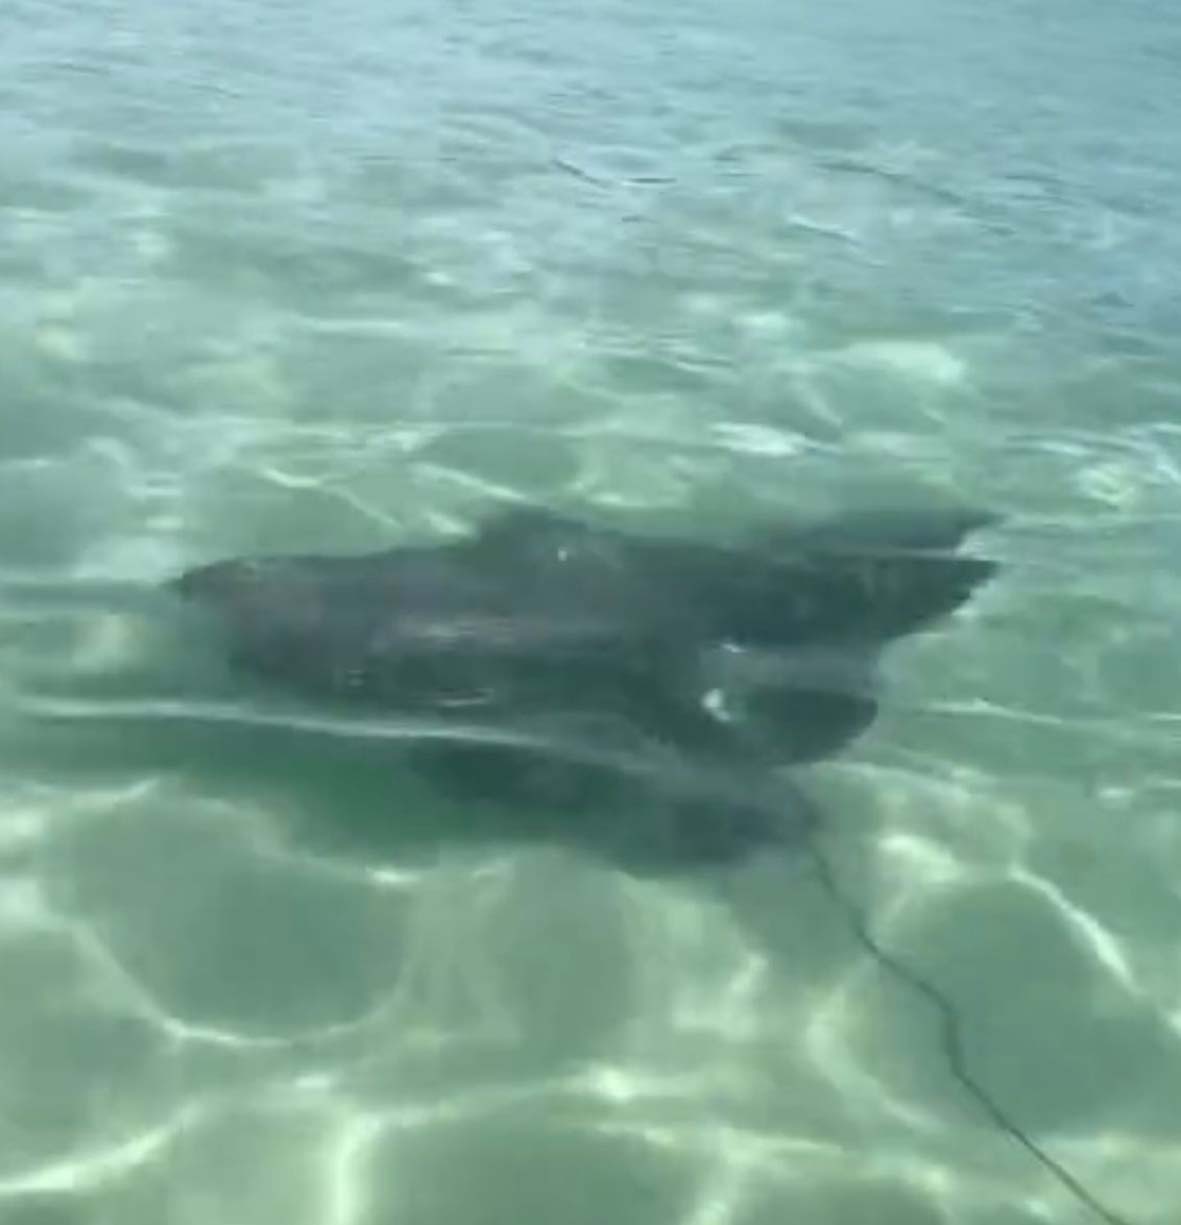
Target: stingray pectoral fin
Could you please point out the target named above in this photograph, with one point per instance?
(862, 597)
(896, 571)
(896, 595)
(868, 576)
(930, 530)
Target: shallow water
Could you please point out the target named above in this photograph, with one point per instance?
(276, 279)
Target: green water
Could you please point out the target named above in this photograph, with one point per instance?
(278, 278)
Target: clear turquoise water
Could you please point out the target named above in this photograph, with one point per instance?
(274, 278)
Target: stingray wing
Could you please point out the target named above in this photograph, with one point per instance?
(859, 579)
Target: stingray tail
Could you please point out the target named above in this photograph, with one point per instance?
(950, 1036)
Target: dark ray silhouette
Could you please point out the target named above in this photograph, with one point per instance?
(624, 666)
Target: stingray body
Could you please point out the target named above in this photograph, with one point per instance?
(707, 665)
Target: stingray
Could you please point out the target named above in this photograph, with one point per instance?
(649, 690)
(596, 672)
